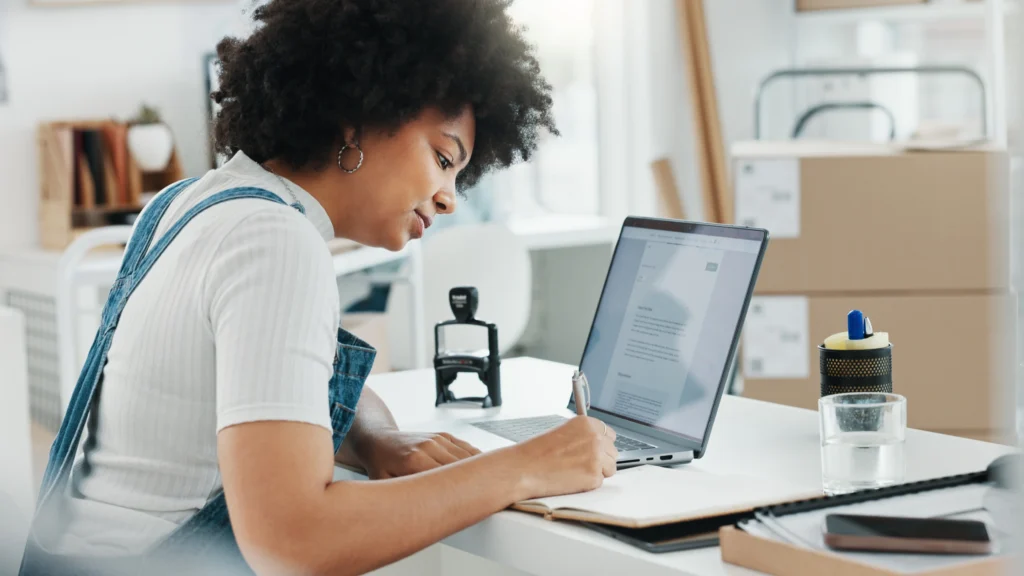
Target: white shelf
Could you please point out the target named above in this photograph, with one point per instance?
(35, 270)
(365, 258)
(932, 11)
(548, 231)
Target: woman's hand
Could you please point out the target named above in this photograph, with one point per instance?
(395, 453)
(575, 457)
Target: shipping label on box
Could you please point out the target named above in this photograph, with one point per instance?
(768, 195)
(775, 338)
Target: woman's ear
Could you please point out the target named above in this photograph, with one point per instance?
(351, 136)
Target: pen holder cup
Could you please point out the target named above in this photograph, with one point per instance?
(864, 371)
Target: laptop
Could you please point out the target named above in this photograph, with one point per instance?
(662, 345)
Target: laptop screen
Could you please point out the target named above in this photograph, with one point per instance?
(660, 343)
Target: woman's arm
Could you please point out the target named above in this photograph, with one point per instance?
(375, 444)
(372, 419)
(289, 517)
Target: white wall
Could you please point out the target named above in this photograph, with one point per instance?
(106, 59)
(646, 108)
(749, 40)
(17, 496)
(99, 61)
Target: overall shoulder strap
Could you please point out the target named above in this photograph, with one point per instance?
(135, 264)
(146, 225)
(232, 194)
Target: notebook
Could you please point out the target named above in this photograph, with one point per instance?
(652, 495)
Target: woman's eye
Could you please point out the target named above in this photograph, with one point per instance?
(445, 162)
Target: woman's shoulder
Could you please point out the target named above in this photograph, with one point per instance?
(272, 215)
(256, 232)
(239, 178)
(270, 247)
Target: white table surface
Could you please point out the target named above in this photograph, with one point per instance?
(749, 437)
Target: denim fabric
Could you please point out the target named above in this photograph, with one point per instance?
(205, 543)
(352, 363)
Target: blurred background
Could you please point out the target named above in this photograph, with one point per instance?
(878, 140)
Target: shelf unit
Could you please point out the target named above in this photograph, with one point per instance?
(931, 11)
(988, 16)
(61, 218)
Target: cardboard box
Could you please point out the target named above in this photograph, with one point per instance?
(952, 354)
(871, 217)
(811, 5)
(372, 328)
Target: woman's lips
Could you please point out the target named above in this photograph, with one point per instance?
(427, 220)
(422, 223)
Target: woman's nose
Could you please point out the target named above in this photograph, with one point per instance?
(444, 201)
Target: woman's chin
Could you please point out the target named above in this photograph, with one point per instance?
(395, 242)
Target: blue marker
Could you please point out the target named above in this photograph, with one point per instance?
(855, 325)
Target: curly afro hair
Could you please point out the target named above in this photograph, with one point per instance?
(314, 68)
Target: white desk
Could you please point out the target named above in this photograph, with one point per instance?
(749, 437)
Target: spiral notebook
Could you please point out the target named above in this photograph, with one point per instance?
(776, 538)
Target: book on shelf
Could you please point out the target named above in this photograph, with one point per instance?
(89, 178)
(93, 153)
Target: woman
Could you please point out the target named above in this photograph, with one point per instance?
(228, 391)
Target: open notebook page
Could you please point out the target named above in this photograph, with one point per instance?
(651, 495)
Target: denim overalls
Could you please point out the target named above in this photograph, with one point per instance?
(205, 543)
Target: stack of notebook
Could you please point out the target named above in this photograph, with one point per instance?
(789, 539)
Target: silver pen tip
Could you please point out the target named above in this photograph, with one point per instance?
(867, 327)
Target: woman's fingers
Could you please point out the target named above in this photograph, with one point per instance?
(458, 451)
(473, 450)
(437, 450)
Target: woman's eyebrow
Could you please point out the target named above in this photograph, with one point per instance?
(462, 147)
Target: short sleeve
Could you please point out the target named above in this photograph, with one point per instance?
(273, 308)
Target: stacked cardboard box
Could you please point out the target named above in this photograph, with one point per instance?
(917, 239)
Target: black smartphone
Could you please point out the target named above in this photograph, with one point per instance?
(892, 534)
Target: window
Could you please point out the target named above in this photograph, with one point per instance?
(562, 176)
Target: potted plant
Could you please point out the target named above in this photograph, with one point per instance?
(150, 140)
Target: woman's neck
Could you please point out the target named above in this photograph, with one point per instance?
(330, 191)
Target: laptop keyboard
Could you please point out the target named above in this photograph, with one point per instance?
(520, 429)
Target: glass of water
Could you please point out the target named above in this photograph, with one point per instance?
(862, 439)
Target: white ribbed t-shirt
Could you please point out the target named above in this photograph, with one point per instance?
(235, 322)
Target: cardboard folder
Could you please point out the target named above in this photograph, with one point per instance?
(780, 558)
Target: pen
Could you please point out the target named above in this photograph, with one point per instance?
(580, 392)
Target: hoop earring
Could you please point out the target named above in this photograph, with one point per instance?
(342, 151)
